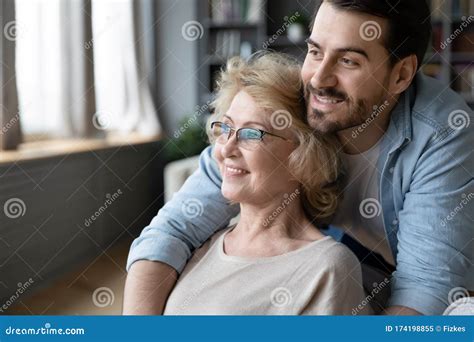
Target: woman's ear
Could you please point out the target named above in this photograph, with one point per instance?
(402, 74)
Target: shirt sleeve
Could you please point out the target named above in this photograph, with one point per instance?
(190, 218)
(435, 226)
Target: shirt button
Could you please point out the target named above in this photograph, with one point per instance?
(395, 222)
(391, 170)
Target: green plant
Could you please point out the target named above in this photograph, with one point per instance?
(189, 140)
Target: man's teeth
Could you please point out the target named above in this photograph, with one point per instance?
(323, 99)
(232, 170)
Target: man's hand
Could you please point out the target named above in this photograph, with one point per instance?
(147, 288)
(401, 311)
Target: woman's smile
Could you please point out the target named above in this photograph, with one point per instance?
(234, 171)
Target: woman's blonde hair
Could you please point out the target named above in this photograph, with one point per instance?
(273, 80)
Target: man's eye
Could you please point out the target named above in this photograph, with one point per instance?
(314, 52)
(348, 62)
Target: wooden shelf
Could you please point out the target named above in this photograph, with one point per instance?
(460, 57)
(53, 148)
(236, 25)
(260, 34)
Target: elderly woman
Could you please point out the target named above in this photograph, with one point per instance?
(274, 260)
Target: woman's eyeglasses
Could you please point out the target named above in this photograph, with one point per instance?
(248, 138)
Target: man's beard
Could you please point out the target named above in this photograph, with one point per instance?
(357, 111)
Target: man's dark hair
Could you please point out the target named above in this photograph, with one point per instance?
(409, 24)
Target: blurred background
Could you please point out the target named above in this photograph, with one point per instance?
(103, 107)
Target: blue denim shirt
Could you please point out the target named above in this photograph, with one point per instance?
(426, 171)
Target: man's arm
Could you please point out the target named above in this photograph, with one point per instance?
(435, 227)
(191, 217)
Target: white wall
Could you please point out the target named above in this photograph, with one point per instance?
(177, 62)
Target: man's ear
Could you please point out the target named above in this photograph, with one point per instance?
(402, 74)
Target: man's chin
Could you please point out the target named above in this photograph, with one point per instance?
(319, 122)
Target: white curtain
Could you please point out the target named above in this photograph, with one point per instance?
(124, 99)
(77, 75)
(10, 129)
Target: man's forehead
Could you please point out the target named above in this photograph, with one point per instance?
(340, 27)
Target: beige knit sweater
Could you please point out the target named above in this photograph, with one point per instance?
(321, 278)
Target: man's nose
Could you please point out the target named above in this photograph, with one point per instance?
(324, 76)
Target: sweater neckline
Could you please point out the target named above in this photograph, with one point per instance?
(240, 259)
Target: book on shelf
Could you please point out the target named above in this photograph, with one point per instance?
(228, 44)
(436, 37)
(459, 9)
(240, 11)
(464, 42)
(464, 79)
(462, 8)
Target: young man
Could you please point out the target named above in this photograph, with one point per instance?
(407, 148)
